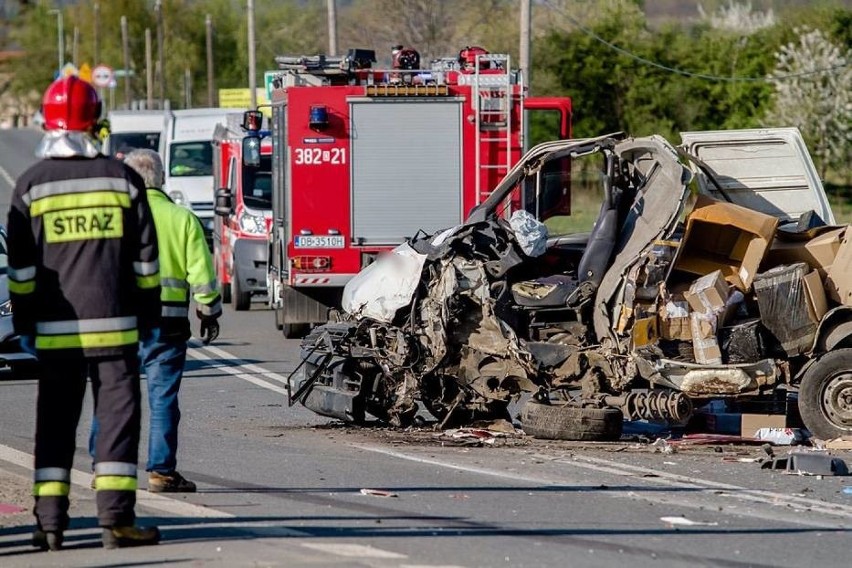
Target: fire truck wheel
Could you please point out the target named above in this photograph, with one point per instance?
(563, 422)
(295, 330)
(242, 299)
(825, 395)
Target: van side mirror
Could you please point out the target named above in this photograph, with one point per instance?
(224, 202)
(251, 151)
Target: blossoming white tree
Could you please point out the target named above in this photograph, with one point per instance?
(813, 90)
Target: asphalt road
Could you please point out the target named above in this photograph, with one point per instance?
(279, 486)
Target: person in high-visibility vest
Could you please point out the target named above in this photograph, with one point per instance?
(186, 267)
(84, 280)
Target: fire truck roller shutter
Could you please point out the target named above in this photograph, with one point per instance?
(406, 168)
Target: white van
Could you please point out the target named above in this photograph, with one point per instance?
(187, 150)
(132, 129)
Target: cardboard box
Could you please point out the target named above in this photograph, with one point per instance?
(818, 253)
(726, 237)
(751, 423)
(839, 281)
(645, 331)
(704, 342)
(674, 320)
(708, 294)
(815, 292)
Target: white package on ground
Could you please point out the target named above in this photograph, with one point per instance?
(385, 286)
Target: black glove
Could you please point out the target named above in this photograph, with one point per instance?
(209, 328)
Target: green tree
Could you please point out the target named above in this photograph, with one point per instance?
(34, 32)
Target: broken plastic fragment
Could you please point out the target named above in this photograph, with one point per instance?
(378, 493)
(684, 522)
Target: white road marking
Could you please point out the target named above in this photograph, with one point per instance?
(352, 550)
(247, 366)
(791, 505)
(757, 495)
(238, 370)
(430, 566)
(5, 175)
(143, 498)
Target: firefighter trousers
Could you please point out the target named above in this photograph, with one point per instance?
(61, 387)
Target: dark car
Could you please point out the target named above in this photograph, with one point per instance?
(14, 363)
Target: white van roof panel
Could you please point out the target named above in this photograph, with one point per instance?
(136, 121)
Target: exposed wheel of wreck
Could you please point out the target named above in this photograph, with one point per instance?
(825, 395)
(563, 422)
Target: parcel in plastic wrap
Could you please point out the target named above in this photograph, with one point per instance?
(783, 303)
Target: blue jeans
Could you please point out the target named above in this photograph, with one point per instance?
(162, 361)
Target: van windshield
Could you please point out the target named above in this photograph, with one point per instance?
(122, 143)
(257, 185)
(188, 159)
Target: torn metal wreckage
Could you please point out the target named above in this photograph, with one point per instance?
(610, 324)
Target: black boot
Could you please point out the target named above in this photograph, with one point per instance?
(48, 540)
(123, 537)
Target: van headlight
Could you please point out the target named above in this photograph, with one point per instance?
(178, 197)
(6, 308)
(252, 224)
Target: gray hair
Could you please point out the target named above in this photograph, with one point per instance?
(149, 165)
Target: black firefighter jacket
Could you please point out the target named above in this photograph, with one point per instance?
(83, 268)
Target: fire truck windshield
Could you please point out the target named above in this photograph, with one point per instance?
(257, 185)
(187, 159)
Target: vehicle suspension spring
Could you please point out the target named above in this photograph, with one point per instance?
(652, 405)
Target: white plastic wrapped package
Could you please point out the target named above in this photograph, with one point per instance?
(530, 233)
(385, 286)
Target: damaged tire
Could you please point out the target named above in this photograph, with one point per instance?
(825, 395)
(562, 422)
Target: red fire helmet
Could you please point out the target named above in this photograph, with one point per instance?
(70, 103)
(468, 55)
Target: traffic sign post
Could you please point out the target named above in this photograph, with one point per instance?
(102, 76)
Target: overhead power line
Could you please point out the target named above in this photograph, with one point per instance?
(685, 73)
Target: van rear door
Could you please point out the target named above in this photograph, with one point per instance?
(768, 170)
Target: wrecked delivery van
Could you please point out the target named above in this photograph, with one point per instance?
(712, 270)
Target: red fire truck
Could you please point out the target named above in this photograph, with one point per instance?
(243, 214)
(364, 158)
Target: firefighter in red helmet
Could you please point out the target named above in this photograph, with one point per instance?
(84, 279)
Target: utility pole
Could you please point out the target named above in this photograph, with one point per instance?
(187, 88)
(60, 38)
(332, 27)
(161, 68)
(211, 86)
(525, 40)
(149, 70)
(97, 34)
(525, 64)
(125, 48)
(252, 70)
(74, 51)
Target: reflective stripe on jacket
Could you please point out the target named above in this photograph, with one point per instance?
(83, 267)
(186, 266)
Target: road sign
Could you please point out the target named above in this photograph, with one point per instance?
(268, 77)
(85, 73)
(102, 76)
(68, 69)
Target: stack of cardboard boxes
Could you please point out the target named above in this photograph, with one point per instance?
(760, 291)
